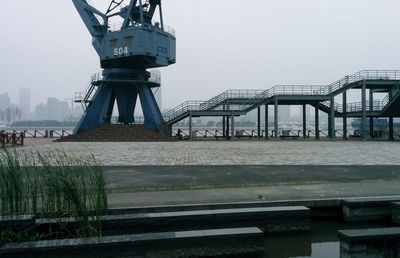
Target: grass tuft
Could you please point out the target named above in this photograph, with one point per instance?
(53, 185)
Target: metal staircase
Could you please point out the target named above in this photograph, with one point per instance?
(243, 101)
(359, 76)
(85, 99)
(235, 96)
(281, 90)
(182, 111)
(246, 100)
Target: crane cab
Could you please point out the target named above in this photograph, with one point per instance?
(138, 46)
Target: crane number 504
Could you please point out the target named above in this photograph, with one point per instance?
(120, 51)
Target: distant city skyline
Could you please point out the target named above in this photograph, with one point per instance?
(237, 46)
(25, 101)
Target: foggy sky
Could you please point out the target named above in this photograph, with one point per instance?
(225, 44)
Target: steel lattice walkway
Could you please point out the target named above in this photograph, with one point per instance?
(233, 103)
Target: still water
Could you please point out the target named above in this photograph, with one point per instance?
(321, 242)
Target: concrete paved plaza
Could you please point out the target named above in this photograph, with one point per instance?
(167, 173)
(236, 153)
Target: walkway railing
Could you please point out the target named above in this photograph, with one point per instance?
(362, 75)
(154, 77)
(117, 26)
(301, 90)
(230, 94)
(182, 109)
(11, 139)
(46, 133)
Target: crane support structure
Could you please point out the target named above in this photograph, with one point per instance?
(126, 52)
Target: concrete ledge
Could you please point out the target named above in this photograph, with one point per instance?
(268, 219)
(234, 242)
(17, 223)
(319, 207)
(370, 235)
(368, 209)
(396, 212)
(375, 242)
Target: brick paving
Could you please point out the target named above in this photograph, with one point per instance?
(235, 153)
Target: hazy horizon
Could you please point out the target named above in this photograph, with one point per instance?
(221, 45)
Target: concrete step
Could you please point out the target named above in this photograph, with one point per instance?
(268, 219)
(231, 242)
(368, 208)
(372, 242)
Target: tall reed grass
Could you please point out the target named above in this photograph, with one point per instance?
(53, 185)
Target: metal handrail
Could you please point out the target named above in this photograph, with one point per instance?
(303, 90)
(154, 77)
(362, 75)
(183, 108)
(112, 27)
(230, 94)
(255, 97)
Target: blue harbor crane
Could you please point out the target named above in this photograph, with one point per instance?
(126, 52)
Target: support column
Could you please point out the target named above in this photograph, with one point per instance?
(227, 127)
(266, 121)
(304, 122)
(276, 135)
(332, 119)
(391, 131)
(364, 111)
(223, 123)
(227, 123)
(345, 115)
(258, 122)
(329, 125)
(190, 126)
(371, 127)
(233, 127)
(223, 126)
(316, 123)
(371, 108)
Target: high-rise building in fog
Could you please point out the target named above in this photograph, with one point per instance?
(284, 113)
(308, 112)
(4, 101)
(25, 101)
(52, 110)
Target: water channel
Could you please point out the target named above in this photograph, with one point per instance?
(320, 242)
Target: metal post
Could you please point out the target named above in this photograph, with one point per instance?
(266, 121)
(276, 136)
(391, 131)
(304, 122)
(161, 16)
(345, 115)
(364, 111)
(233, 127)
(223, 123)
(223, 126)
(371, 127)
(258, 122)
(141, 12)
(329, 125)
(190, 126)
(316, 123)
(227, 123)
(332, 118)
(371, 108)
(227, 127)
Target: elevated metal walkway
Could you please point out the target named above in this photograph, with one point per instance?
(233, 103)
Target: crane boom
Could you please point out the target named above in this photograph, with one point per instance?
(96, 27)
